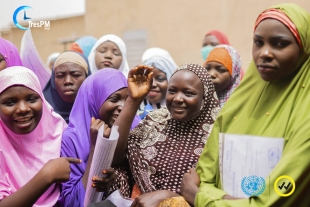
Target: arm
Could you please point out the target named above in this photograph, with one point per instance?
(295, 151)
(56, 170)
(139, 84)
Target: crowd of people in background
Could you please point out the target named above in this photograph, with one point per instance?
(169, 118)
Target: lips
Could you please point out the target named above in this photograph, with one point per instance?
(23, 122)
(178, 108)
(68, 91)
(107, 64)
(266, 68)
(153, 93)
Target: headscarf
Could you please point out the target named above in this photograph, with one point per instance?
(10, 53)
(161, 149)
(235, 67)
(52, 57)
(164, 63)
(50, 91)
(83, 45)
(156, 51)
(222, 38)
(22, 156)
(76, 138)
(124, 68)
(271, 109)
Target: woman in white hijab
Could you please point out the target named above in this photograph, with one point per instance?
(163, 67)
(109, 52)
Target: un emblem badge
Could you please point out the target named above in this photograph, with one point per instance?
(253, 185)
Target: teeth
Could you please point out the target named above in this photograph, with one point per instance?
(23, 121)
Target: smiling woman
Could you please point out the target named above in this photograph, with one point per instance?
(30, 164)
(69, 71)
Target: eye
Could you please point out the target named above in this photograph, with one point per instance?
(117, 53)
(222, 70)
(258, 42)
(9, 102)
(59, 75)
(32, 99)
(282, 44)
(208, 68)
(189, 94)
(171, 91)
(113, 99)
(161, 79)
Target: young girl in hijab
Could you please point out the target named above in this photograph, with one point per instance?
(102, 97)
(70, 70)
(109, 52)
(163, 67)
(224, 66)
(9, 55)
(30, 134)
(271, 101)
(168, 142)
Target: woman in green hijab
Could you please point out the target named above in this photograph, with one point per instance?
(273, 100)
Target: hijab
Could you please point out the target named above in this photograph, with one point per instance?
(23, 155)
(83, 45)
(271, 109)
(93, 92)
(235, 69)
(50, 92)
(10, 53)
(161, 149)
(222, 38)
(124, 68)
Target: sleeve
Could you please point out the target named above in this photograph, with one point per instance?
(294, 163)
(72, 192)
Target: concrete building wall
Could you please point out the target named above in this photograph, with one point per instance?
(178, 26)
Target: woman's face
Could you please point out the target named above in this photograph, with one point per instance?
(112, 107)
(2, 62)
(185, 95)
(210, 40)
(20, 109)
(108, 55)
(159, 87)
(68, 79)
(275, 50)
(219, 74)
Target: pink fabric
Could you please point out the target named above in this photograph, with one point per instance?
(222, 38)
(22, 156)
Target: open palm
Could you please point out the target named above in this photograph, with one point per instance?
(140, 81)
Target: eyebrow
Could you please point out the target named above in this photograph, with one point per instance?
(274, 37)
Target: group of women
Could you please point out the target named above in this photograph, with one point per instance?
(171, 156)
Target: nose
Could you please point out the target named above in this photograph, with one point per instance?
(23, 107)
(154, 83)
(68, 80)
(266, 52)
(212, 73)
(108, 54)
(120, 105)
(178, 98)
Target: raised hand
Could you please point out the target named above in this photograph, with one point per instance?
(58, 170)
(104, 182)
(140, 80)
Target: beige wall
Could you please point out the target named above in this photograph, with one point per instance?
(179, 25)
(175, 25)
(47, 41)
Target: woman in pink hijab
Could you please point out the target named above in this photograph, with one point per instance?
(30, 139)
(9, 55)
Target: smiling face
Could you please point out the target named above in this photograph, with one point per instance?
(20, 109)
(159, 87)
(185, 95)
(275, 50)
(2, 62)
(112, 107)
(68, 79)
(219, 75)
(108, 55)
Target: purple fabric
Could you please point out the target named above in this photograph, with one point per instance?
(76, 139)
(10, 53)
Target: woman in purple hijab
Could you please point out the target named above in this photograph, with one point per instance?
(102, 96)
(9, 55)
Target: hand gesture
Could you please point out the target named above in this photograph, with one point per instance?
(58, 170)
(104, 182)
(140, 81)
(94, 128)
(190, 186)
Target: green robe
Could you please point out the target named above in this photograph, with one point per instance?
(271, 109)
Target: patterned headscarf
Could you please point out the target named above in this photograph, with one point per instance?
(236, 72)
(161, 149)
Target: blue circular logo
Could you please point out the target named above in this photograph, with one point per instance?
(25, 17)
(253, 185)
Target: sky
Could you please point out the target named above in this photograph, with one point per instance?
(41, 10)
